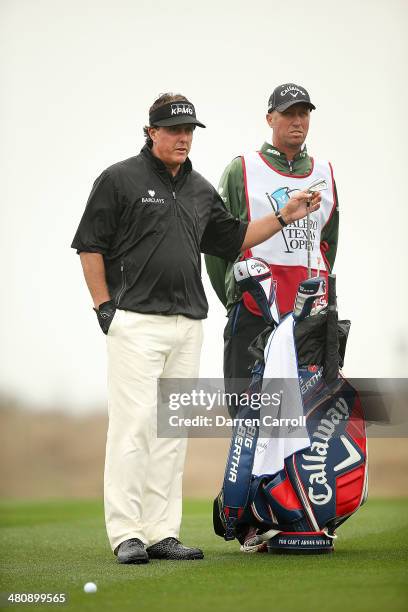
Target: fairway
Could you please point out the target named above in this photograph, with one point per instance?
(56, 546)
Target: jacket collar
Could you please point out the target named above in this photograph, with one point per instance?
(269, 149)
(160, 166)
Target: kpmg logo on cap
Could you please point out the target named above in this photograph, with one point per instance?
(293, 90)
(182, 109)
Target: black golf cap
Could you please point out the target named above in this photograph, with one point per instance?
(174, 113)
(287, 95)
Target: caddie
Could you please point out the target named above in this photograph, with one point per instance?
(253, 185)
(145, 223)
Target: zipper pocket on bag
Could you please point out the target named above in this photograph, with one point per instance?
(123, 286)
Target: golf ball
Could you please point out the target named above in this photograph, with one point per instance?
(90, 587)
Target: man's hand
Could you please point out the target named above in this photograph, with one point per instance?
(297, 207)
(94, 272)
(105, 314)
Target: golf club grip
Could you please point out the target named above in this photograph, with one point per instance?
(331, 361)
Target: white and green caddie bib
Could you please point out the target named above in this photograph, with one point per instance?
(268, 190)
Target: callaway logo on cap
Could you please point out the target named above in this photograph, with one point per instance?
(174, 113)
(287, 95)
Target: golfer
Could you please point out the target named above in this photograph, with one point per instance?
(139, 239)
(252, 185)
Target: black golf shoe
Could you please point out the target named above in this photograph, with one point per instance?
(132, 551)
(173, 550)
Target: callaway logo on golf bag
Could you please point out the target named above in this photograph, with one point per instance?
(330, 476)
(298, 507)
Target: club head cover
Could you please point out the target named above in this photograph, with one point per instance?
(308, 291)
(254, 275)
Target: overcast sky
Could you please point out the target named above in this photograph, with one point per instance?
(78, 78)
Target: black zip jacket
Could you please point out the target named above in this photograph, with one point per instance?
(150, 229)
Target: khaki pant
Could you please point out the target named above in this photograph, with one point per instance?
(143, 473)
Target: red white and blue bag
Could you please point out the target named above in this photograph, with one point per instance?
(298, 508)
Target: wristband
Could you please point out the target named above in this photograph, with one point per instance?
(279, 217)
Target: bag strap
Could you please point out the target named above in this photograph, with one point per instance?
(238, 471)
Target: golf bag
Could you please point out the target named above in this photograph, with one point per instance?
(320, 474)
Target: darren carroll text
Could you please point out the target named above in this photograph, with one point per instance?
(222, 421)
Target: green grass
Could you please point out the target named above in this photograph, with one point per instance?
(57, 546)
